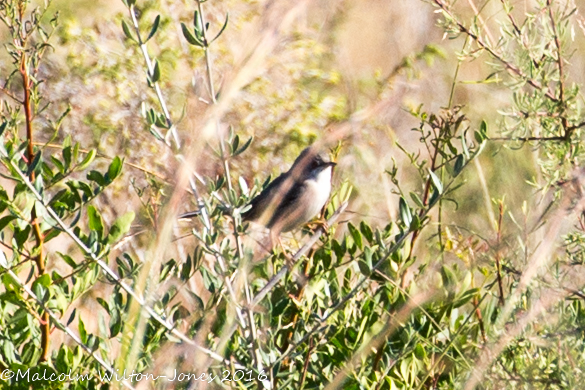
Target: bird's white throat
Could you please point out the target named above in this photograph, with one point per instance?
(319, 189)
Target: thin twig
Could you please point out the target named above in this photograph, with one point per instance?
(528, 139)
(39, 237)
(156, 85)
(498, 242)
(306, 364)
(562, 102)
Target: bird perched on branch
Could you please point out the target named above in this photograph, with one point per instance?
(294, 197)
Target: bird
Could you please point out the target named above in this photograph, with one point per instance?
(294, 197)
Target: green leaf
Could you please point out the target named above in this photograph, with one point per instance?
(150, 116)
(44, 280)
(71, 317)
(58, 164)
(405, 213)
(40, 286)
(87, 160)
(449, 279)
(52, 233)
(161, 121)
(415, 223)
(366, 231)
(67, 141)
(103, 303)
(483, 129)
(166, 269)
(465, 297)
(419, 352)
(33, 167)
(154, 28)
(244, 147)
(96, 223)
(223, 28)
(464, 146)
(68, 259)
(197, 21)
(21, 235)
(459, 164)
(155, 76)
(357, 237)
(67, 156)
(127, 31)
(478, 137)
(97, 177)
(120, 227)
(364, 267)
(186, 269)
(115, 168)
(192, 39)
(414, 196)
(4, 221)
(75, 151)
(82, 331)
(235, 144)
(436, 182)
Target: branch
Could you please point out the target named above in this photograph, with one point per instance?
(40, 257)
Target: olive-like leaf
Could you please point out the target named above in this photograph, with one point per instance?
(154, 28)
(127, 31)
(155, 76)
(459, 164)
(120, 227)
(190, 37)
(96, 223)
(222, 28)
(405, 213)
(87, 160)
(436, 182)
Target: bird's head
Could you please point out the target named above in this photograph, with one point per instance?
(310, 163)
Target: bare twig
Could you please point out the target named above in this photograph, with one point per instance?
(39, 237)
(498, 242)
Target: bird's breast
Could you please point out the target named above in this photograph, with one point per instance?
(317, 192)
(313, 194)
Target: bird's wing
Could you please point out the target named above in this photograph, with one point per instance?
(289, 200)
(261, 201)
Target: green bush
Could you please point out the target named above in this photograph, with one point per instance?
(470, 279)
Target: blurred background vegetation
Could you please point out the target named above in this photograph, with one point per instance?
(472, 282)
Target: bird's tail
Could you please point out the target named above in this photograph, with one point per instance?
(189, 214)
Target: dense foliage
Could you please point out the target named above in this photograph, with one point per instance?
(453, 260)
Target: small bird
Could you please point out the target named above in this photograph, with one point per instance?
(294, 197)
